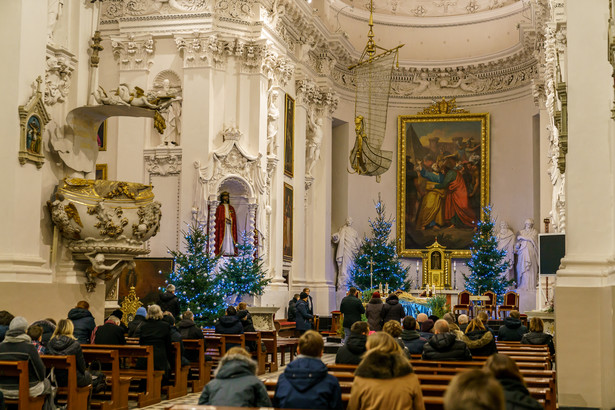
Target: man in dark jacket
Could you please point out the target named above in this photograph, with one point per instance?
(303, 314)
(230, 323)
(352, 309)
(411, 337)
(169, 302)
(512, 330)
(354, 347)
(444, 345)
(187, 328)
(309, 301)
(83, 321)
(17, 346)
(392, 310)
(138, 320)
(110, 333)
(306, 382)
(292, 308)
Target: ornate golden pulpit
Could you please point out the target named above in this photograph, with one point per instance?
(436, 267)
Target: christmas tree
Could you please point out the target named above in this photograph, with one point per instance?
(487, 264)
(243, 274)
(381, 253)
(197, 286)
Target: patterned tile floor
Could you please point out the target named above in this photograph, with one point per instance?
(194, 397)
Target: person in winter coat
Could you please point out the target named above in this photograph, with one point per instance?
(17, 346)
(63, 343)
(292, 308)
(169, 302)
(49, 326)
(480, 341)
(136, 323)
(450, 318)
(512, 330)
(156, 332)
(385, 379)
(302, 321)
(373, 310)
(352, 309)
(83, 321)
(176, 337)
(353, 349)
(248, 326)
(427, 330)
(5, 321)
(393, 328)
(463, 321)
(392, 310)
(537, 336)
(474, 389)
(444, 345)
(411, 338)
(505, 370)
(229, 324)
(235, 383)
(306, 382)
(110, 333)
(189, 330)
(119, 314)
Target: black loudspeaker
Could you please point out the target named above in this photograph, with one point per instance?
(552, 248)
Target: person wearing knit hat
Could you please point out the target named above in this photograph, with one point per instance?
(302, 321)
(373, 311)
(136, 323)
(427, 328)
(17, 346)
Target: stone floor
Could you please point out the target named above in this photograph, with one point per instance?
(194, 397)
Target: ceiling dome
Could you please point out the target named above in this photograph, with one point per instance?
(430, 8)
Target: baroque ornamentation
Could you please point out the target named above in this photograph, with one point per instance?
(133, 52)
(33, 117)
(235, 9)
(163, 162)
(60, 66)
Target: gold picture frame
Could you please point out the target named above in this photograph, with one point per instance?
(289, 136)
(442, 179)
(287, 239)
(101, 172)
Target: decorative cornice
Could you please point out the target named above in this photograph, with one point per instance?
(133, 52)
(322, 99)
(163, 161)
(60, 66)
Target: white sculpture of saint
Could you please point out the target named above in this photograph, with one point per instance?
(171, 114)
(313, 143)
(527, 256)
(506, 242)
(273, 113)
(347, 240)
(54, 11)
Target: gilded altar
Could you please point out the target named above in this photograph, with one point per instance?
(436, 267)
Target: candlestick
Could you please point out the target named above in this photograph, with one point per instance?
(386, 289)
(418, 286)
(455, 275)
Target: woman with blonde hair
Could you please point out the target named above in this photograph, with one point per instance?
(393, 327)
(505, 370)
(385, 379)
(480, 341)
(537, 336)
(64, 343)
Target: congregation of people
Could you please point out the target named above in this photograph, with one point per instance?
(381, 348)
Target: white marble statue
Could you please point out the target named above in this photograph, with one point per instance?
(422, 81)
(273, 113)
(348, 243)
(506, 241)
(315, 134)
(54, 11)
(526, 249)
(171, 114)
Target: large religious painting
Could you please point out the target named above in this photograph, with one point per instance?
(289, 136)
(287, 240)
(148, 277)
(442, 180)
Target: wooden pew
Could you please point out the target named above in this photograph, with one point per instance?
(152, 378)
(179, 376)
(215, 346)
(285, 328)
(76, 398)
(200, 371)
(270, 338)
(117, 398)
(287, 344)
(258, 355)
(20, 371)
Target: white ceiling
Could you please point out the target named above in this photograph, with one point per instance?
(430, 8)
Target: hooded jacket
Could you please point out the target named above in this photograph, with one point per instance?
(539, 338)
(511, 331)
(17, 347)
(84, 324)
(235, 385)
(229, 325)
(302, 321)
(135, 325)
(292, 310)
(169, 303)
(48, 329)
(63, 345)
(307, 384)
(392, 310)
(445, 346)
(413, 341)
(385, 381)
(372, 311)
(189, 330)
(517, 396)
(246, 320)
(352, 351)
(480, 343)
(352, 309)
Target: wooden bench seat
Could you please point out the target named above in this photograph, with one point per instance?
(117, 396)
(200, 370)
(179, 376)
(258, 355)
(75, 397)
(270, 339)
(20, 371)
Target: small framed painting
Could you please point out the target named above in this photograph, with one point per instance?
(101, 172)
(289, 136)
(101, 136)
(287, 241)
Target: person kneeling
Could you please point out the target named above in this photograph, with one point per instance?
(235, 383)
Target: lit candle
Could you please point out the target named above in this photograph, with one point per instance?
(455, 266)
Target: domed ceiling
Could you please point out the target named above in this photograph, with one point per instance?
(430, 8)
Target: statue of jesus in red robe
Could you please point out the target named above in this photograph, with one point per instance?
(226, 227)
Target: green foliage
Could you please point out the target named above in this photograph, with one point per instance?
(243, 274)
(487, 264)
(438, 305)
(197, 287)
(387, 267)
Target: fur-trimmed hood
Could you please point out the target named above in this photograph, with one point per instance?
(235, 365)
(377, 365)
(477, 338)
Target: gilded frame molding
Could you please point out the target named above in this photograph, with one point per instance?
(429, 117)
(289, 136)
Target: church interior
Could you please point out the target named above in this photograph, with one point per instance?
(128, 122)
